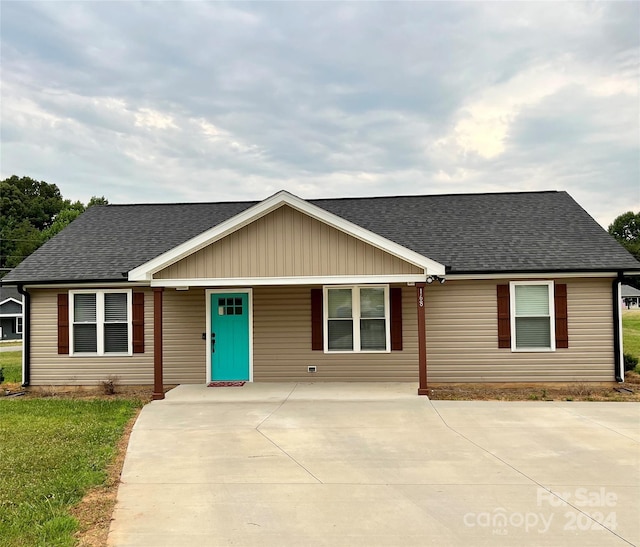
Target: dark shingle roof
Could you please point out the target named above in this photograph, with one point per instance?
(479, 233)
(9, 291)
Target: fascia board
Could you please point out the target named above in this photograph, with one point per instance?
(86, 285)
(530, 275)
(145, 271)
(10, 299)
(285, 281)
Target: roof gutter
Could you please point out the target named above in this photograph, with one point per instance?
(34, 282)
(478, 274)
(26, 336)
(617, 330)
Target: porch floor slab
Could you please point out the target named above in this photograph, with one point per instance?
(374, 464)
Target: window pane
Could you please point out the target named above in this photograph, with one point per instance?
(372, 302)
(373, 335)
(116, 338)
(84, 338)
(115, 307)
(340, 335)
(533, 332)
(339, 303)
(532, 299)
(84, 308)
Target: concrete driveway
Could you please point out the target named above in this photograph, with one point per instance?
(375, 465)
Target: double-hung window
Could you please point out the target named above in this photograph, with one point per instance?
(101, 322)
(18, 325)
(532, 316)
(356, 319)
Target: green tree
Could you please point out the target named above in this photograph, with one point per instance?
(62, 219)
(31, 212)
(626, 229)
(38, 201)
(95, 200)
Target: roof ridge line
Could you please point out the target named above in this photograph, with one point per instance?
(396, 196)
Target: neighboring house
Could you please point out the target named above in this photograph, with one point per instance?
(630, 297)
(10, 313)
(288, 289)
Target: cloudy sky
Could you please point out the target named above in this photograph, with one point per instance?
(200, 101)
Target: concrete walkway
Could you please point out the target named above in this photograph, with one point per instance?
(5, 348)
(375, 465)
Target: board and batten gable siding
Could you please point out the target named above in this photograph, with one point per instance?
(282, 343)
(286, 243)
(462, 336)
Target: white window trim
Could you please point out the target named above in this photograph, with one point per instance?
(355, 311)
(100, 322)
(19, 325)
(552, 318)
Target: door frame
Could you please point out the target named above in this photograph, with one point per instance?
(208, 293)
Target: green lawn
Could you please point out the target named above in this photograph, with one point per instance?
(11, 364)
(51, 452)
(631, 332)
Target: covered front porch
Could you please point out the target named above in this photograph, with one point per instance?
(287, 331)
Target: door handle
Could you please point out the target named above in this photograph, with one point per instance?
(213, 342)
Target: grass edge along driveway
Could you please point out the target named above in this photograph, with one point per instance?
(51, 452)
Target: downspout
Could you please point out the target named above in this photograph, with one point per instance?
(617, 331)
(26, 336)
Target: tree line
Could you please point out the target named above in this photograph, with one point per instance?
(31, 212)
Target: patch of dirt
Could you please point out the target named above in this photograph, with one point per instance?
(142, 393)
(96, 508)
(585, 391)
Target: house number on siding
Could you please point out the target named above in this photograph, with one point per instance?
(421, 297)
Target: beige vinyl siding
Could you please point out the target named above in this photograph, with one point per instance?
(49, 368)
(462, 343)
(282, 343)
(462, 339)
(286, 243)
(184, 321)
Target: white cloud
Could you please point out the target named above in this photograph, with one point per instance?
(147, 117)
(237, 101)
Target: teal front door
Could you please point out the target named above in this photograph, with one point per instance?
(229, 336)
